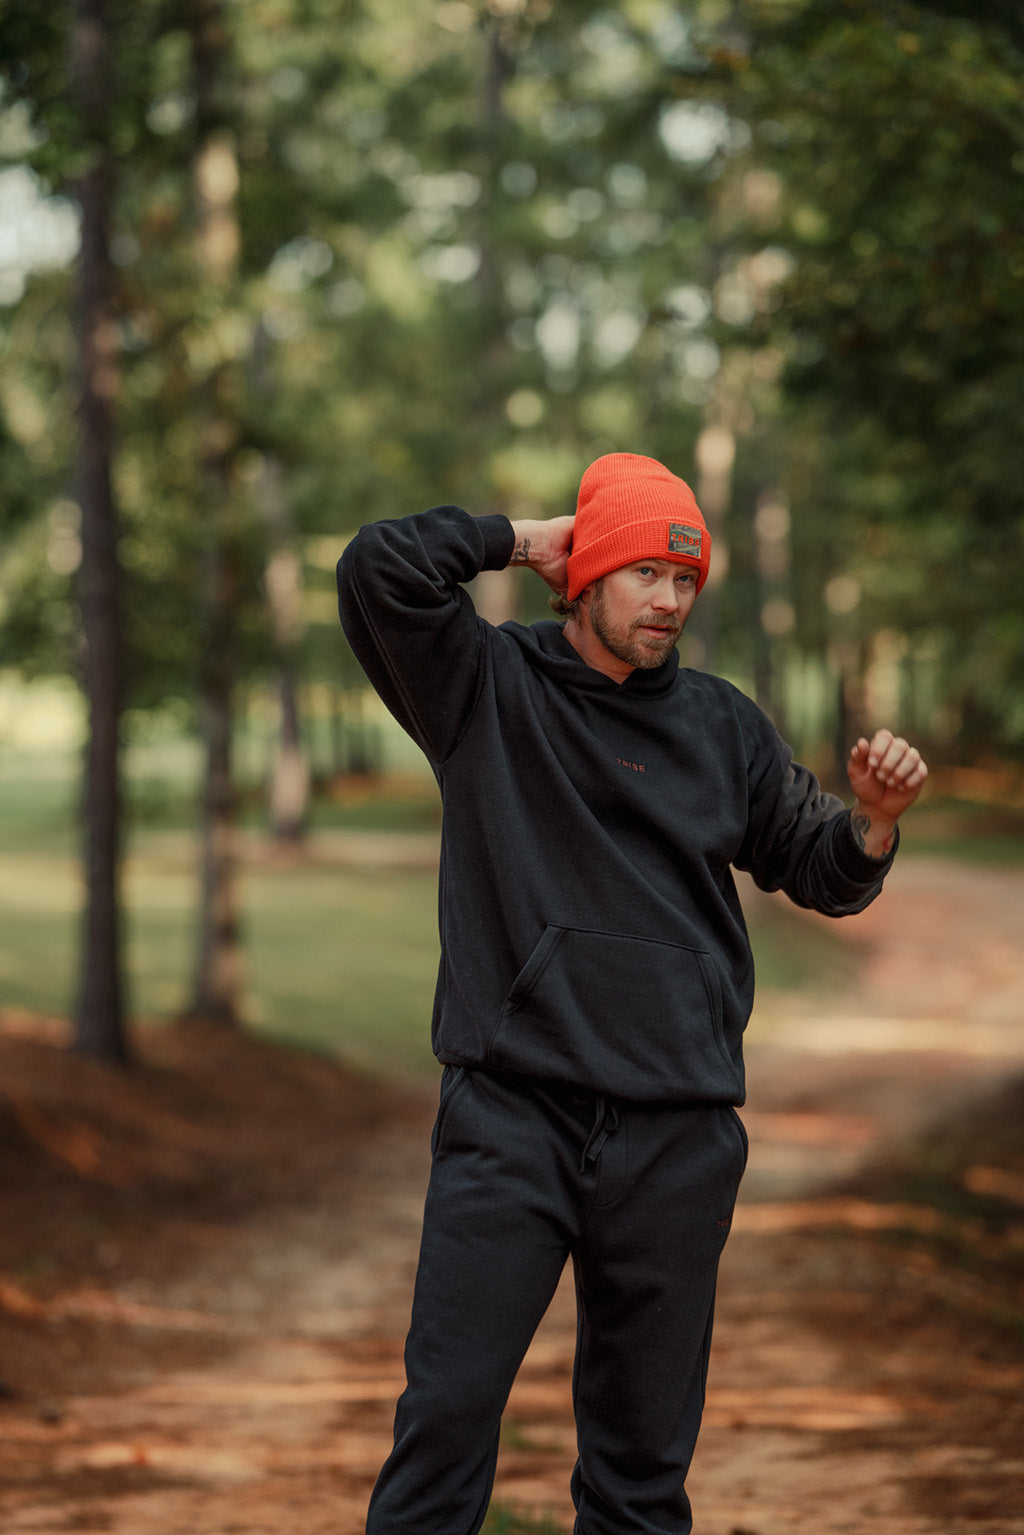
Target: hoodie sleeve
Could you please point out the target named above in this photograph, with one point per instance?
(412, 627)
(799, 838)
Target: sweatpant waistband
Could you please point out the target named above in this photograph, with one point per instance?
(604, 1110)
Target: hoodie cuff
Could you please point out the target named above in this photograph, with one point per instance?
(499, 540)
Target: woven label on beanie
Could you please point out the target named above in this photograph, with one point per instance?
(684, 540)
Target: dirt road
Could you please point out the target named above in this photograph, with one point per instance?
(235, 1368)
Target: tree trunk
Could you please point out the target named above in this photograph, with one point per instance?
(288, 790)
(99, 1025)
(775, 617)
(289, 773)
(715, 455)
(217, 986)
(494, 591)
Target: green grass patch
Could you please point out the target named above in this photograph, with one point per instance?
(792, 954)
(346, 960)
(399, 804)
(336, 959)
(40, 905)
(38, 815)
(506, 1521)
(968, 831)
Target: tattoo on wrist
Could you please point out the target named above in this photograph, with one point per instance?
(521, 552)
(860, 825)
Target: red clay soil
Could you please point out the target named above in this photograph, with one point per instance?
(205, 1267)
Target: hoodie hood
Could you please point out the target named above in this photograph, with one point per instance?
(546, 648)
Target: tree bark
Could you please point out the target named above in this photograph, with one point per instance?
(218, 974)
(289, 779)
(99, 1024)
(289, 770)
(494, 591)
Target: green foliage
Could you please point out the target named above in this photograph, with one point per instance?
(895, 136)
(477, 249)
(402, 247)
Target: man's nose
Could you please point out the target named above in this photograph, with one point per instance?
(665, 596)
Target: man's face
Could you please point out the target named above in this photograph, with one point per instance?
(637, 613)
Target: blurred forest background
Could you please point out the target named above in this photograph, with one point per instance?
(270, 270)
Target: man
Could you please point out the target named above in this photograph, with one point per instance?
(595, 975)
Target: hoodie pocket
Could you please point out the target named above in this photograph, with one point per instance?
(638, 1017)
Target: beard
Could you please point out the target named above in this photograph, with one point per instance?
(626, 642)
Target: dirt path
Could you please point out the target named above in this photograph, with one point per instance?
(250, 1386)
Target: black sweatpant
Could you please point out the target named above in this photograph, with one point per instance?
(525, 1175)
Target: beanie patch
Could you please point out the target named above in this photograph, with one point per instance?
(684, 540)
(632, 508)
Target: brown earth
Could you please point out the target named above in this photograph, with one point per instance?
(205, 1267)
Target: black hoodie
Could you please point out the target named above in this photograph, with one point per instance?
(590, 927)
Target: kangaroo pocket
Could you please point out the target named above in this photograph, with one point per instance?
(637, 1017)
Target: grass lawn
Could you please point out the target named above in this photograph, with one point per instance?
(505, 1521)
(336, 958)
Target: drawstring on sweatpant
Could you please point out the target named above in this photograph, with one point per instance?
(606, 1123)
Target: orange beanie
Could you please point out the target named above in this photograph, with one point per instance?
(632, 508)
